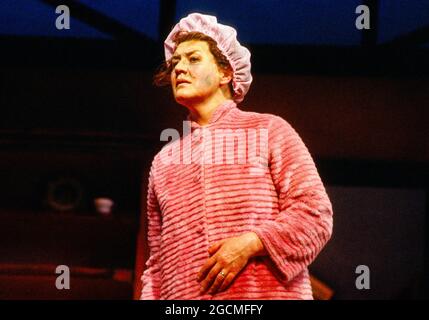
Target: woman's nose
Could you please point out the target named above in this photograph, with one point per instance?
(180, 67)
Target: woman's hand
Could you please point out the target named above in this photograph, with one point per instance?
(227, 258)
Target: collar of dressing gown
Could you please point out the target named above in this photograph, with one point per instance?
(223, 109)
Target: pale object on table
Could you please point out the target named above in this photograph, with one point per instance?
(103, 206)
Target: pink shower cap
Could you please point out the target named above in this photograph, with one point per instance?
(226, 39)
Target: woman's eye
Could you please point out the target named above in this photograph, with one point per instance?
(194, 59)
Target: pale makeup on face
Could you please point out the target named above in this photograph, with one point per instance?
(193, 63)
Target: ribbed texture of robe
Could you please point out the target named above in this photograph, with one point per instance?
(202, 190)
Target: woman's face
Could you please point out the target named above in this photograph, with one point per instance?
(195, 76)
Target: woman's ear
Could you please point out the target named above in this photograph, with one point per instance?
(226, 76)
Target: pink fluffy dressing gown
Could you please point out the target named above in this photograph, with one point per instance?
(194, 201)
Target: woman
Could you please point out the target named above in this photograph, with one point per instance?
(220, 225)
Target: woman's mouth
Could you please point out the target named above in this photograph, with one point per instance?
(181, 81)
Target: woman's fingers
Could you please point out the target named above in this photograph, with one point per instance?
(229, 256)
(210, 278)
(206, 268)
(218, 281)
(227, 281)
(215, 247)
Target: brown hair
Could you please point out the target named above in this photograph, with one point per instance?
(162, 75)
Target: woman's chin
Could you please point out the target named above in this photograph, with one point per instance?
(184, 98)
